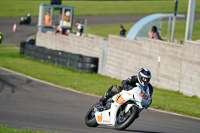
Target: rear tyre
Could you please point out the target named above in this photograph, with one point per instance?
(124, 120)
(90, 119)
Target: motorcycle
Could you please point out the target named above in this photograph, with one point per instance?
(25, 20)
(120, 110)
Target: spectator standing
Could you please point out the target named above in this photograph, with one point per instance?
(154, 34)
(79, 29)
(1, 37)
(47, 19)
(122, 31)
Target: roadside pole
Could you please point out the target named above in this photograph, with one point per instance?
(190, 19)
(174, 21)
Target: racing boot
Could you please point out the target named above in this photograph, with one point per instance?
(112, 90)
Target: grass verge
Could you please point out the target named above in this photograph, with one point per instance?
(113, 29)
(6, 129)
(20, 8)
(90, 83)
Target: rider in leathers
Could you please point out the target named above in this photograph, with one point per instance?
(143, 78)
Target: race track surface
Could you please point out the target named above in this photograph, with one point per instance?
(24, 31)
(29, 103)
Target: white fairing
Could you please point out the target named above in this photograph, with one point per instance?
(137, 94)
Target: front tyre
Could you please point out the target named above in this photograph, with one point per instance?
(124, 120)
(90, 119)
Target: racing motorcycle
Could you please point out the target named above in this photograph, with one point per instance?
(25, 20)
(120, 110)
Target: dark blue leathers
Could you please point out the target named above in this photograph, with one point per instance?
(131, 82)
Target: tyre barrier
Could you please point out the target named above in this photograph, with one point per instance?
(79, 62)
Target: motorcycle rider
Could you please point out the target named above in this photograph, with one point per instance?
(143, 77)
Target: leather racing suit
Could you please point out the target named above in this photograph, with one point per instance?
(126, 85)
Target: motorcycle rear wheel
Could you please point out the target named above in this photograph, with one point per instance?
(90, 119)
(124, 120)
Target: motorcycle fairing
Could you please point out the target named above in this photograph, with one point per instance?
(137, 94)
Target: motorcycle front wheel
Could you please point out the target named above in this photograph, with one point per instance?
(90, 119)
(124, 120)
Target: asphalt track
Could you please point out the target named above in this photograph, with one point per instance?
(26, 102)
(24, 31)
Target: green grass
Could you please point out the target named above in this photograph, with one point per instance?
(11, 8)
(180, 30)
(113, 29)
(54, 73)
(176, 102)
(110, 29)
(6, 129)
(90, 83)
